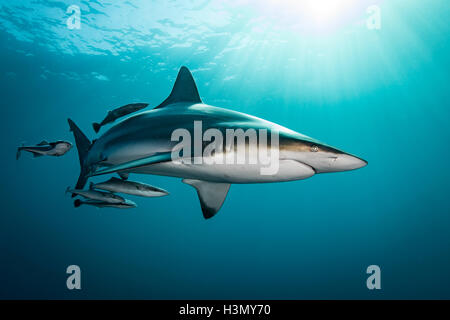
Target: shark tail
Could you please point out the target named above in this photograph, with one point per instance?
(83, 146)
(96, 126)
(77, 203)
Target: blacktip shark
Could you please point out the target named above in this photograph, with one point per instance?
(115, 114)
(44, 148)
(130, 187)
(144, 143)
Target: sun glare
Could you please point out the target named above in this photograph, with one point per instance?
(320, 14)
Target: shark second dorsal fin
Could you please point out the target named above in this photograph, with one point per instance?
(211, 195)
(184, 89)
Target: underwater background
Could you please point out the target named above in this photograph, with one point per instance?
(315, 67)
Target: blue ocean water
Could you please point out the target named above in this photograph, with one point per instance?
(314, 67)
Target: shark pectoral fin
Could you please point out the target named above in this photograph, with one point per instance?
(156, 158)
(211, 195)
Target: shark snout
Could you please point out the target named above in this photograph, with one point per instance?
(344, 162)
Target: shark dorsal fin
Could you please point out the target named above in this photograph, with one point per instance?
(184, 89)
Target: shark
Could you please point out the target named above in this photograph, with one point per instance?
(145, 144)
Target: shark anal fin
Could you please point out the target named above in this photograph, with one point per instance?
(211, 195)
(37, 155)
(184, 89)
(156, 158)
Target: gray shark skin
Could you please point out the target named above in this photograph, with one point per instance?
(131, 187)
(55, 149)
(96, 195)
(115, 114)
(127, 204)
(142, 144)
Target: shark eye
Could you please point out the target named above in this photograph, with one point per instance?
(314, 148)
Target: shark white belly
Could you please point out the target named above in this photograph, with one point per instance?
(289, 170)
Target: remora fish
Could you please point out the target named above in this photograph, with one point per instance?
(56, 149)
(96, 195)
(101, 204)
(143, 144)
(130, 187)
(115, 114)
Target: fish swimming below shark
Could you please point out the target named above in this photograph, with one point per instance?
(55, 149)
(96, 195)
(130, 187)
(144, 144)
(115, 114)
(127, 204)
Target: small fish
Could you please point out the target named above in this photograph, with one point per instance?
(118, 113)
(55, 149)
(130, 187)
(97, 195)
(101, 204)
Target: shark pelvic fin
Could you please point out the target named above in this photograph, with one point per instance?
(211, 195)
(156, 158)
(184, 89)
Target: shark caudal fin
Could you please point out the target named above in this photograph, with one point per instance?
(96, 127)
(184, 89)
(83, 146)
